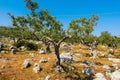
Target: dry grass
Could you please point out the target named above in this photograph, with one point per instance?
(13, 65)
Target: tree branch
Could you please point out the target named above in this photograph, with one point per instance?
(35, 36)
(9, 14)
(63, 40)
(49, 39)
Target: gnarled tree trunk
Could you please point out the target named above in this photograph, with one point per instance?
(56, 49)
(48, 47)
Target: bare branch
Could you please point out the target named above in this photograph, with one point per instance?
(12, 16)
(63, 39)
(35, 36)
(49, 39)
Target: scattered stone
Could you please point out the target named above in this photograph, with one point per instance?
(99, 76)
(2, 45)
(23, 48)
(32, 54)
(42, 60)
(88, 71)
(33, 59)
(39, 42)
(41, 51)
(105, 67)
(111, 56)
(4, 52)
(48, 77)
(115, 66)
(88, 63)
(37, 68)
(3, 67)
(108, 73)
(59, 69)
(95, 54)
(76, 56)
(114, 75)
(82, 64)
(114, 60)
(13, 50)
(104, 55)
(71, 68)
(49, 59)
(26, 64)
(66, 57)
(11, 47)
(31, 41)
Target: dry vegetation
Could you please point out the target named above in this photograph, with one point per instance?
(13, 63)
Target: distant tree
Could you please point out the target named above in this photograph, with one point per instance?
(82, 28)
(105, 38)
(109, 40)
(115, 43)
(75, 30)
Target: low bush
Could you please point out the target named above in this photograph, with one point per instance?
(28, 45)
(31, 46)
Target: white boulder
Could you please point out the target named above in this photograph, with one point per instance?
(37, 68)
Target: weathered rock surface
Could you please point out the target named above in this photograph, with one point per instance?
(48, 77)
(26, 64)
(88, 71)
(114, 60)
(37, 68)
(41, 51)
(66, 57)
(99, 76)
(114, 75)
(42, 60)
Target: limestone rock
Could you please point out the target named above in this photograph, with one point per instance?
(3, 66)
(99, 76)
(115, 66)
(26, 64)
(71, 68)
(114, 60)
(41, 51)
(13, 50)
(37, 68)
(114, 75)
(88, 71)
(88, 63)
(66, 57)
(23, 48)
(48, 77)
(31, 54)
(42, 60)
(4, 52)
(105, 67)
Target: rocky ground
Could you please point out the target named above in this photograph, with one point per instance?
(77, 64)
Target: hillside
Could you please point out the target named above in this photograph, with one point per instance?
(11, 64)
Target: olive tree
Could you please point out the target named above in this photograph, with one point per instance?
(43, 24)
(82, 28)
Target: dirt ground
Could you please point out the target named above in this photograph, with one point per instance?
(13, 63)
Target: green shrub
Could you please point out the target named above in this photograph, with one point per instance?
(31, 46)
(28, 45)
(20, 43)
(110, 52)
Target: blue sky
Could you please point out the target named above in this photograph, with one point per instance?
(67, 10)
